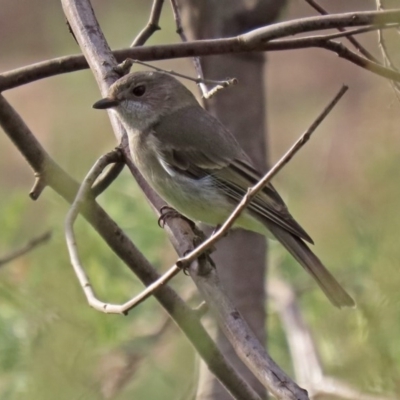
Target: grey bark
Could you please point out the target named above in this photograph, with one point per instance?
(241, 257)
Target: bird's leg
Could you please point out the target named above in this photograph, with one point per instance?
(198, 240)
(199, 236)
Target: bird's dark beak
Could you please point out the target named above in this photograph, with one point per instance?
(105, 103)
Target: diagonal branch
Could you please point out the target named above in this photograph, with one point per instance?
(32, 244)
(252, 192)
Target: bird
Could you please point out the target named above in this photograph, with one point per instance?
(196, 165)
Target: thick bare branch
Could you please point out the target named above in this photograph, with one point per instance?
(239, 334)
(101, 60)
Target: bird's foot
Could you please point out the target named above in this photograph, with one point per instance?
(167, 212)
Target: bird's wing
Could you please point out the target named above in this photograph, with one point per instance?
(205, 148)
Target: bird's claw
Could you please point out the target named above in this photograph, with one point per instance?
(167, 212)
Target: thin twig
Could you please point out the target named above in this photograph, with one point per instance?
(32, 244)
(349, 32)
(196, 60)
(386, 57)
(152, 26)
(73, 213)
(221, 84)
(352, 40)
(76, 206)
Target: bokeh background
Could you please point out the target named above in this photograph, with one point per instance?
(343, 187)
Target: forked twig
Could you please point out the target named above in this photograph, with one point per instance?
(77, 205)
(196, 60)
(79, 202)
(152, 26)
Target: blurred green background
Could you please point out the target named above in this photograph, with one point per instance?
(343, 187)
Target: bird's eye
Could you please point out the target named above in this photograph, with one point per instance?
(139, 90)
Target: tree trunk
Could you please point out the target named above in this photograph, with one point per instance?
(241, 257)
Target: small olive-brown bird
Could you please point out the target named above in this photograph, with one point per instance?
(197, 166)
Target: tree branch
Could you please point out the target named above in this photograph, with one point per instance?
(196, 60)
(32, 244)
(61, 65)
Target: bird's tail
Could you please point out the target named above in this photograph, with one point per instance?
(310, 262)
